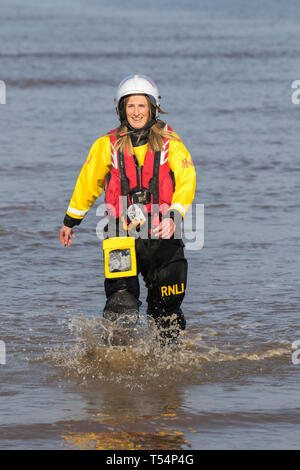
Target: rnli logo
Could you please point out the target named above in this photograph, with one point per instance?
(186, 163)
(172, 290)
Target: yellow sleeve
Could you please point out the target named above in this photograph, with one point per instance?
(182, 165)
(90, 181)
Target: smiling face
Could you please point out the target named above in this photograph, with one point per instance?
(137, 110)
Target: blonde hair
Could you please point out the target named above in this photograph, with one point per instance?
(156, 136)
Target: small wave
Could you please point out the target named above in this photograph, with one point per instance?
(21, 207)
(160, 54)
(55, 82)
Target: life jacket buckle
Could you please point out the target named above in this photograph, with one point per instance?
(141, 197)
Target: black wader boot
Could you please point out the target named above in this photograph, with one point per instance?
(122, 305)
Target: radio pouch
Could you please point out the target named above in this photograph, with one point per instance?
(119, 257)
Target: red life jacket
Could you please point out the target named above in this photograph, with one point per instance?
(127, 178)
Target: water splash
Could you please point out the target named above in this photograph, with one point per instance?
(136, 358)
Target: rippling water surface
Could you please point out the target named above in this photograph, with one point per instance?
(224, 73)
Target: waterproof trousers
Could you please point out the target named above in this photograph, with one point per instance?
(163, 267)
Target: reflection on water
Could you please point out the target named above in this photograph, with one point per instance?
(126, 441)
(162, 438)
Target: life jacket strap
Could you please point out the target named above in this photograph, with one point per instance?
(125, 186)
(154, 181)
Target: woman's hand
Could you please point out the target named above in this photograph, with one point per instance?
(165, 229)
(65, 235)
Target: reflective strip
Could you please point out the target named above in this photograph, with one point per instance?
(179, 207)
(114, 156)
(164, 155)
(75, 211)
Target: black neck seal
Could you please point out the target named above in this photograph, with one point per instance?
(139, 136)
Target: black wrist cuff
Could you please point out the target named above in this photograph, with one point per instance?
(177, 218)
(175, 215)
(71, 222)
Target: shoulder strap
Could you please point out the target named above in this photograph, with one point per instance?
(119, 156)
(159, 159)
(154, 181)
(125, 187)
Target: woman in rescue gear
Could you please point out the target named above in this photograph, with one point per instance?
(149, 181)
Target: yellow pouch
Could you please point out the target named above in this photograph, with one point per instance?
(119, 257)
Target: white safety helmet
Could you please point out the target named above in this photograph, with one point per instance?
(138, 85)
